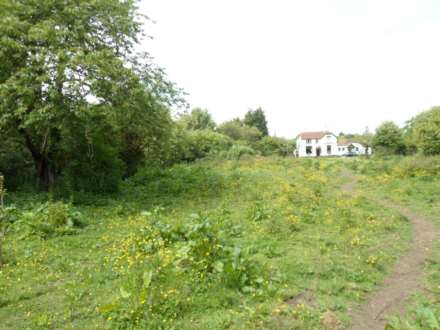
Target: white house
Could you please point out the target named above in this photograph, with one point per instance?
(315, 144)
(324, 144)
(352, 149)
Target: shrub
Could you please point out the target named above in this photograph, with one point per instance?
(53, 218)
(417, 167)
(164, 263)
(270, 145)
(15, 163)
(177, 180)
(257, 212)
(100, 173)
(237, 151)
(238, 131)
(193, 145)
(240, 271)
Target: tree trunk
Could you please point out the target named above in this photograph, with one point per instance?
(45, 173)
(42, 164)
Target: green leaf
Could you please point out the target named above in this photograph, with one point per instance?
(124, 293)
(247, 289)
(146, 277)
(219, 267)
(108, 308)
(429, 317)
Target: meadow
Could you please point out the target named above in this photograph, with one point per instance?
(413, 182)
(254, 243)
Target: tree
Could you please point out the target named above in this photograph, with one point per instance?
(256, 118)
(389, 139)
(423, 132)
(72, 64)
(197, 119)
(236, 130)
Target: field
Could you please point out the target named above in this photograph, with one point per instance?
(267, 243)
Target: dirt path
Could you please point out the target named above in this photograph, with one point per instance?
(407, 275)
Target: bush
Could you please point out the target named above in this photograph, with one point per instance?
(101, 173)
(418, 167)
(15, 163)
(52, 219)
(164, 263)
(237, 151)
(270, 145)
(238, 131)
(192, 145)
(177, 180)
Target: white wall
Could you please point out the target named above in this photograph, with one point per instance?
(327, 140)
(323, 143)
(358, 150)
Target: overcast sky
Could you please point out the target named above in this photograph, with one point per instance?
(339, 65)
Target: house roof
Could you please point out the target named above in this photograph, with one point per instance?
(313, 135)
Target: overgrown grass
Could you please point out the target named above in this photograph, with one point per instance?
(413, 182)
(213, 245)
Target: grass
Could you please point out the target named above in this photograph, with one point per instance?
(413, 182)
(212, 245)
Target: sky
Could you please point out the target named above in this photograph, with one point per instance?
(337, 65)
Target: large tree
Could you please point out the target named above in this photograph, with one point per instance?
(424, 131)
(68, 69)
(197, 119)
(389, 139)
(257, 118)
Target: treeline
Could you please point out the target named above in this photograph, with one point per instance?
(201, 136)
(80, 109)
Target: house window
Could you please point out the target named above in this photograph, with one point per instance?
(316, 140)
(329, 150)
(308, 150)
(308, 141)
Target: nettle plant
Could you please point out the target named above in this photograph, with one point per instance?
(163, 263)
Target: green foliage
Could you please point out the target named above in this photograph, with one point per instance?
(257, 118)
(237, 151)
(205, 143)
(257, 212)
(269, 146)
(424, 131)
(163, 261)
(67, 65)
(177, 180)
(209, 245)
(424, 317)
(15, 162)
(389, 139)
(412, 182)
(197, 119)
(238, 131)
(52, 219)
